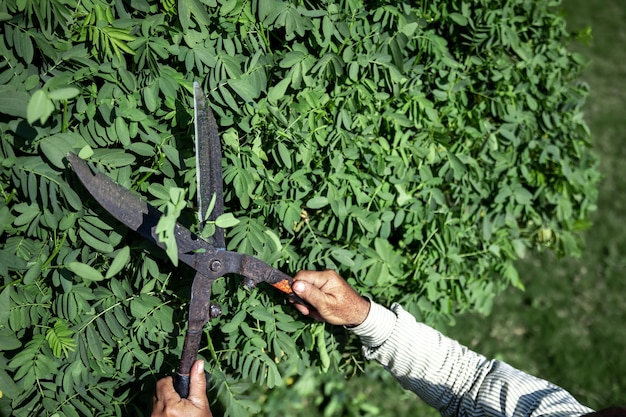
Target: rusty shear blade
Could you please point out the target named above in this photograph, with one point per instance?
(209, 262)
(209, 186)
(142, 217)
(136, 214)
(208, 165)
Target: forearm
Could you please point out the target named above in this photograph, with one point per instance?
(452, 378)
(423, 360)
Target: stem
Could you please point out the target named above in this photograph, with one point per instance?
(104, 311)
(308, 225)
(211, 348)
(64, 125)
(56, 251)
(419, 253)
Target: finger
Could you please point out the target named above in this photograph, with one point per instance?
(158, 409)
(302, 308)
(316, 278)
(165, 393)
(165, 388)
(316, 316)
(197, 385)
(309, 293)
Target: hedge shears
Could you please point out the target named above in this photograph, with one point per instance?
(209, 258)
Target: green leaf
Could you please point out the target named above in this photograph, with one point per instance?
(8, 340)
(323, 351)
(167, 222)
(5, 305)
(262, 315)
(56, 147)
(94, 242)
(9, 388)
(285, 155)
(23, 45)
(275, 240)
(343, 256)
(55, 151)
(64, 93)
(522, 196)
(60, 339)
(277, 92)
(532, 103)
(13, 103)
(410, 28)
(150, 98)
(119, 262)
(39, 107)
(122, 131)
(317, 202)
(234, 323)
(519, 247)
(28, 215)
(245, 88)
(94, 343)
(226, 220)
(457, 166)
(84, 271)
(86, 152)
(459, 19)
(72, 198)
(34, 272)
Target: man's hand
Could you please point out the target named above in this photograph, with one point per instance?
(167, 402)
(333, 299)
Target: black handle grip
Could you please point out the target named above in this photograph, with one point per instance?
(190, 352)
(181, 385)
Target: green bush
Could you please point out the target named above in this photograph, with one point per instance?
(419, 150)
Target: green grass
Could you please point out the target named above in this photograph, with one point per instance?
(569, 326)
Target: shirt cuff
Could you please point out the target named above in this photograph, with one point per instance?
(377, 327)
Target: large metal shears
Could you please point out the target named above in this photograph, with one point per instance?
(209, 258)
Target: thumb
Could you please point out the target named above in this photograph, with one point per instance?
(197, 385)
(309, 293)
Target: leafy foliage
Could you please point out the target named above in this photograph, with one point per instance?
(418, 150)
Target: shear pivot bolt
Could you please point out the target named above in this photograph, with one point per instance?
(216, 266)
(215, 310)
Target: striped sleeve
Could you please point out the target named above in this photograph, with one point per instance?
(453, 379)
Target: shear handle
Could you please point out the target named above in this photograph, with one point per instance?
(255, 271)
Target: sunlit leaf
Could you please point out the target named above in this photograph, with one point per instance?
(317, 202)
(226, 220)
(85, 271)
(120, 261)
(40, 107)
(64, 93)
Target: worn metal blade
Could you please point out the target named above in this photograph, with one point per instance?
(208, 166)
(127, 207)
(138, 215)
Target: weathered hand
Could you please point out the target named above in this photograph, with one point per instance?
(167, 402)
(333, 299)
